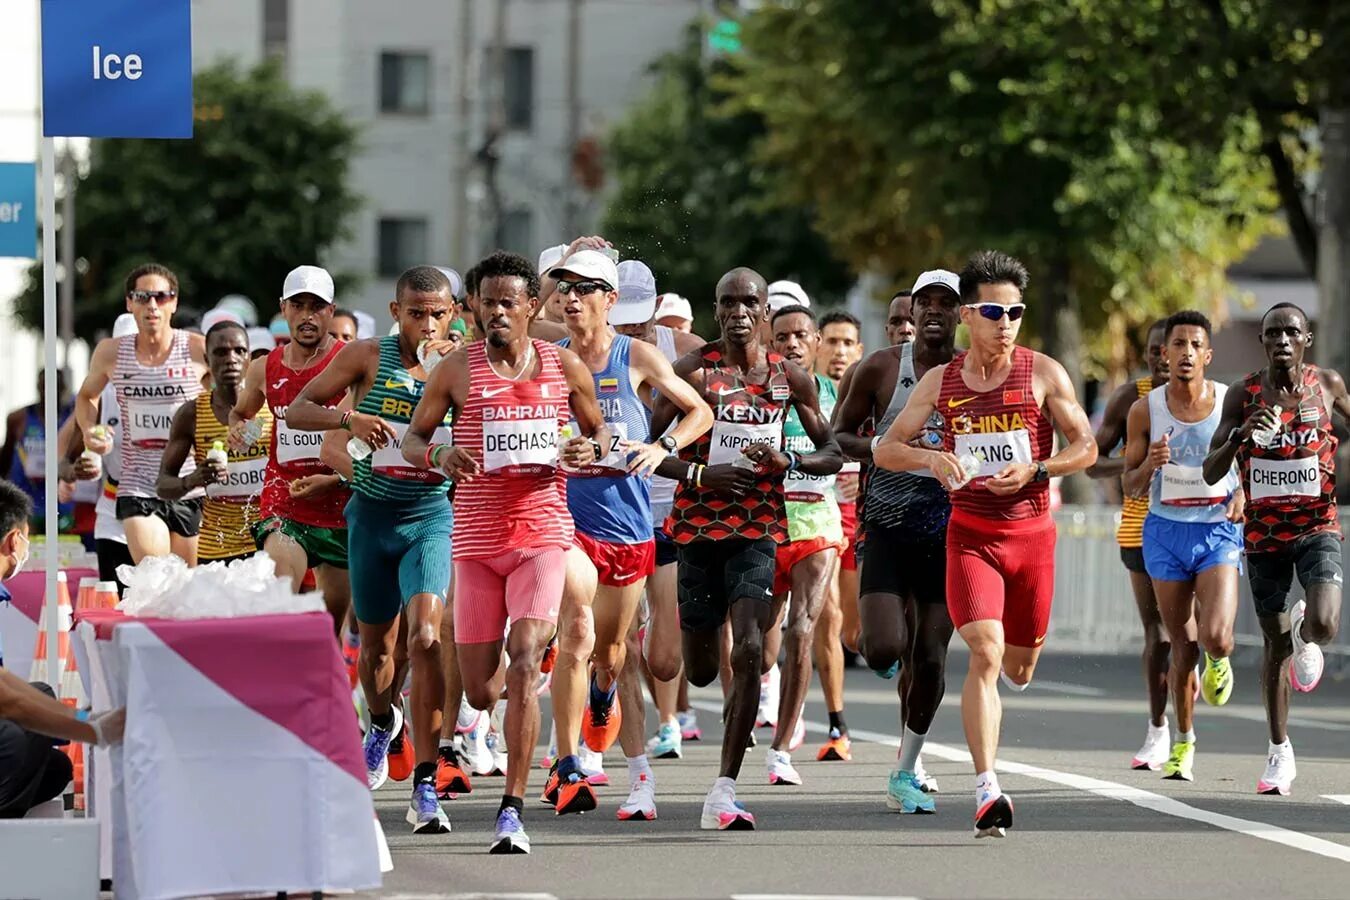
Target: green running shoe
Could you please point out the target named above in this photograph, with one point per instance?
(1180, 766)
(1216, 681)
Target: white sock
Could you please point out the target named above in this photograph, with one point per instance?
(986, 783)
(1186, 737)
(445, 742)
(911, 745)
(638, 765)
(1010, 684)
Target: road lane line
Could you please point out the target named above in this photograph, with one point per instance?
(1338, 798)
(1111, 790)
(816, 897)
(1064, 687)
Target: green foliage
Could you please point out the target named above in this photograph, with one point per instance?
(261, 188)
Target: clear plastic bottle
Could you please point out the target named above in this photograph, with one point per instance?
(1263, 437)
(427, 357)
(252, 431)
(358, 449)
(970, 467)
(217, 454)
(99, 431)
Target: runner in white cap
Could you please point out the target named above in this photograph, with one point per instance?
(674, 312)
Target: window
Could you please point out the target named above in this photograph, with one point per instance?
(405, 83)
(276, 27)
(517, 225)
(518, 88)
(403, 244)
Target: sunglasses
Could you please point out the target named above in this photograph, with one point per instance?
(995, 311)
(156, 296)
(582, 288)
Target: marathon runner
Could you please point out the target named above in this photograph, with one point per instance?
(399, 524)
(903, 608)
(1192, 544)
(342, 327)
(233, 480)
(302, 525)
(510, 396)
(900, 319)
(154, 372)
(1000, 403)
(1130, 537)
(1278, 424)
(611, 507)
(729, 516)
(23, 456)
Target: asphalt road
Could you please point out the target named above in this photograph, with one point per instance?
(1086, 825)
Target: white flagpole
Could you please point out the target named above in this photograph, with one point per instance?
(50, 487)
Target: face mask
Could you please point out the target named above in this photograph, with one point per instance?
(19, 558)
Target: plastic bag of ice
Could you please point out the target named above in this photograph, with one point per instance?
(165, 587)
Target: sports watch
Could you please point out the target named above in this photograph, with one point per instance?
(1042, 473)
(668, 443)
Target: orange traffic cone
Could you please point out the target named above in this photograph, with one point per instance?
(38, 670)
(84, 597)
(105, 595)
(75, 752)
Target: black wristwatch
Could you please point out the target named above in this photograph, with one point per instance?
(597, 450)
(1042, 473)
(668, 443)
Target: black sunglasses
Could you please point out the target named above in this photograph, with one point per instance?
(581, 288)
(995, 311)
(157, 296)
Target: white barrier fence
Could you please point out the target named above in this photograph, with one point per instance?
(1093, 603)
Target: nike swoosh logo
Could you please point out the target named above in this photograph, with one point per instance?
(394, 383)
(953, 404)
(722, 392)
(492, 392)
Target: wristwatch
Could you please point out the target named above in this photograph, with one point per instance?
(597, 449)
(667, 443)
(1042, 473)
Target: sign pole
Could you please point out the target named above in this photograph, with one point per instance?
(51, 524)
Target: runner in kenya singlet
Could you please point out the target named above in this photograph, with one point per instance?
(147, 397)
(295, 454)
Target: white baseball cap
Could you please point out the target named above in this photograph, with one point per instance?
(787, 293)
(550, 257)
(637, 294)
(590, 264)
(938, 276)
(674, 305)
(124, 325)
(365, 325)
(308, 280)
(456, 281)
(261, 339)
(214, 316)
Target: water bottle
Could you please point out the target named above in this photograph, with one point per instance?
(96, 459)
(217, 454)
(427, 357)
(99, 431)
(252, 431)
(358, 449)
(611, 252)
(1263, 437)
(743, 462)
(970, 467)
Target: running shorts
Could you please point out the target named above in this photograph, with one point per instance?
(893, 562)
(1179, 551)
(410, 540)
(184, 517)
(618, 565)
(1001, 569)
(112, 554)
(1133, 558)
(715, 574)
(848, 519)
(322, 546)
(665, 548)
(520, 584)
(1315, 558)
(793, 552)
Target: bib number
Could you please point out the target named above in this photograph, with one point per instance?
(1285, 480)
(1186, 486)
(995, 450)
(730, 438)
(243, 481)
(800, 487)
(520, 446)
(297, 447)
(148, 423)
(389, 461)
(615, 461)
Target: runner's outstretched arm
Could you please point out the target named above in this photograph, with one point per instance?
(446, 390)
(858, 399)
(1142, 458)
(893, 451)
(350, 369)
(251, 396)
(1112, 433)
(1224, 446)
(580, 451)
(101, 367)
(696, 417)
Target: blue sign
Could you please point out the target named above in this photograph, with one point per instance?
(18, 210)
(117, 68)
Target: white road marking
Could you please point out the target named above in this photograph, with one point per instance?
(1063, 687)
(1338, 798)
(479, 896)
(1111, 790)
(816, 897)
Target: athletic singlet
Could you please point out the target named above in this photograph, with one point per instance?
(106, 524)
(518, 500)
(1130, 532)
(606, 502)
(1179, 491)
(1290, 485)
(910, 502)
(294, 454)
(812, 511)
(385, 474)
(28, 471)
(663, 489)
(148, 396)
(231, 507)
(743, 414)
(999, 426)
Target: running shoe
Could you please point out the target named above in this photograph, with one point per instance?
(1306, 665)
(641, 802)
(927, 782)
(551, 754)
(510, 836)
(798, 733)
(723, 812)
(593, 766)
(837, 749)
(550, 656)
(1216, 682)
(571, 796)
(351, 654)
(889, 673)
(376, 749)
(1180, 766)
(401, 753)
(425, 814)
(1153, 754)
(769, 685)
(903, 792)
(1280, 770)
(451, 779)
(780, 768)
(689, 729)
(668, 743)
(993, 815)
(473, 746)
(496, 741)
(600, 723)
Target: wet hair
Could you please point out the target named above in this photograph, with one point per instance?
(1285, 305)
(15, 507)
(423, 280)
(151, 269)
(991, 267)
(1191, 317)
(502, 264)
(795, 308)
(226, 325)
(837, 316)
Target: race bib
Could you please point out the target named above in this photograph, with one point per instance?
(995, 450)
(1186, 486)
(800, 487)
(614, 463)
(294, 446)
(148, 423)
(1285, 479)
(520, 446)
(243, 482)
(730, 438)
(34, 452)
(388, 460)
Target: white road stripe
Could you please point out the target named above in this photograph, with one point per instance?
(1338, 798)
(816, 897)
(480, 896)
(1111, 790)
(1064, 687)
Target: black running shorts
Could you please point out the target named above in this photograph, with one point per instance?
(1316, 559)
(715, 574)
(894, 563)
(184, 517)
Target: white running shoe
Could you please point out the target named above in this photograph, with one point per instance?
(780, 768)
(798, 732)
(769, 686)
(474, 750)
(467, 719)
(1155, 751)
(496, 740)
(1280, 770)
(641, 802)
(926, 782)
(689, 729)
(723, 812)
(1307, 664)
(592, 766)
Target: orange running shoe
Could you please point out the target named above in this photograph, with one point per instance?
(550, 795)
(401, 757)
(550, 656)
(600, 725)
(574, 797)
(837, 749)
(451, 779)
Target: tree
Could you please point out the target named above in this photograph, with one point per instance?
(691, 201)
(261, 187)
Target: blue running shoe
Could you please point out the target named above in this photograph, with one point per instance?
(890, 673)
(376, 749)
(424, 813)
(668, 743)
(510, 836)
(905, 793)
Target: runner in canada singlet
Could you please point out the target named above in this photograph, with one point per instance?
(295, 454)
(148, 396)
